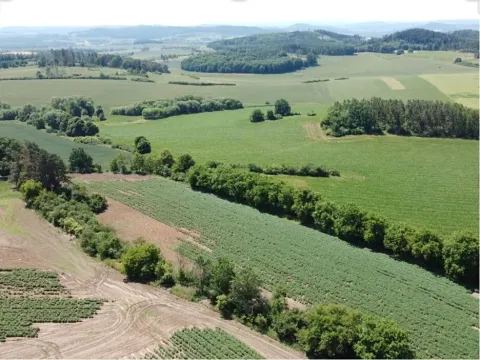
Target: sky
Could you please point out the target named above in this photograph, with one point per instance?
(248, 12)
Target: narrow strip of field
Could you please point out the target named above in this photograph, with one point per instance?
(316, 268)
(393, 83)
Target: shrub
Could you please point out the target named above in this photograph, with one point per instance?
(257, 116)
(80, 162)
(397, 238)
(349, 223)
(30, 189)
(142, 145)
(140, 262)
(184, 163)
(282, 107)
(460, 255)
(271, 115)
(119, 164)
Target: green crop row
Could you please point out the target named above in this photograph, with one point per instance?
(203, 344)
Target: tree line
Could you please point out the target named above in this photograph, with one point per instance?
(415, 117)
(14, 60)
(189, 104)
(87, 58)
(70, 116)
(456, 256)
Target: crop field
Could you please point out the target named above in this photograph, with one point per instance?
(462, 88)
(55, 144)
(203, 344)
(440, 315)
(425, 182)
(28, 297)
(365, 72)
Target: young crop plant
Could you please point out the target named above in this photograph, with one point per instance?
(203, 344)
(29, 296)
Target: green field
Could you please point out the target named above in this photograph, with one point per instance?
(55, 144)
(315, 267)
(425, 182)
(203, 344)
(365, 72)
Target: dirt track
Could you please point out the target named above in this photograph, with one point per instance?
(135, 318)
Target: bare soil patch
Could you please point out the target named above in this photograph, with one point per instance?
(110, 177)
(135, 317)
(393, 83)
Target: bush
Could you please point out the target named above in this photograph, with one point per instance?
(80, 162)
(257, 116)
(142, 145)
(460, 256)
(30, 189)
(398, 239)
(140, 262)
(282, 107)
(119, 164)
(184, 163)
(271, 115)
(8, 114)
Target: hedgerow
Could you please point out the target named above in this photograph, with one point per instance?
(348, 222)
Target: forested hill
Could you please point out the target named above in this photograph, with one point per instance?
(421, 39)
(272, 53)
(319, 42)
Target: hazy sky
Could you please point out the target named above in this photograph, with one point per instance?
(196, 12)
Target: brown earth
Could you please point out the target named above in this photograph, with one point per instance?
(135, 317)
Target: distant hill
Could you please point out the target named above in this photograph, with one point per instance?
(423, 39)
(154, 31)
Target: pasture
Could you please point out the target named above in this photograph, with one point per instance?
(365, 72)
(59, 145)
(316, 268)
(424, 182)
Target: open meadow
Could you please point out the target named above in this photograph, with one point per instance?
(442, 317)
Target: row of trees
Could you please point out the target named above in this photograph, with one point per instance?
(282, 108)
(456, 256)
(152, 110)
(327, 331)
(415, 117)
(71, 116)
(87, 58)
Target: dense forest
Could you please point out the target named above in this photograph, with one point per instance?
(421, 39)
(416, 117)
(290, 51)
(83, 58)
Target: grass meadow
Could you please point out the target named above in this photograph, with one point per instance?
(426, 182)
(314, 267)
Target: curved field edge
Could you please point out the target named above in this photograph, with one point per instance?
(316, 268)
